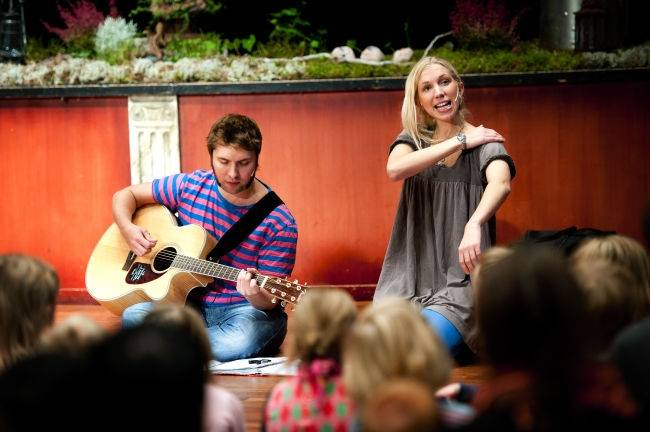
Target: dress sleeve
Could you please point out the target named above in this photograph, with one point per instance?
(403, 138)
(494, 151)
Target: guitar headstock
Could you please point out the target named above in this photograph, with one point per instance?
(284, 290)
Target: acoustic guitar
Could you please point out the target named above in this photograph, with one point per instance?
(117, 278)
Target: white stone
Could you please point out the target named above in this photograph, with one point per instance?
(372, 53)
(402, 55)
(343, 53)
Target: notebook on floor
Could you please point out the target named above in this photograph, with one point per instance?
(255, 366)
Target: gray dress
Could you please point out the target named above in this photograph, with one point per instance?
(421, 263)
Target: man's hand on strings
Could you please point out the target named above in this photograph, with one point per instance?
(247, 284)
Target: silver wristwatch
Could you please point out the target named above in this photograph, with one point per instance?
(463, 140)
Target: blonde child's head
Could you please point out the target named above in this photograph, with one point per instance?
(627, 253)
(392, 340)
(320, 321)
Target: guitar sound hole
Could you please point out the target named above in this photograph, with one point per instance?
(163, 259)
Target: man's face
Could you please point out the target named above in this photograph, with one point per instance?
(234, 168)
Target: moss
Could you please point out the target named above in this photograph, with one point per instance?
(324, 68)
(527, 58)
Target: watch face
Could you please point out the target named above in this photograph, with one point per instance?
(461, 137)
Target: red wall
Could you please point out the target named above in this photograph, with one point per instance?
(581, 153)
(60, 162)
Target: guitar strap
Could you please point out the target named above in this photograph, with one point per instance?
(235, 235)
(245, 225)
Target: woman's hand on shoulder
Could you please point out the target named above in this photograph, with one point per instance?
(479, 135)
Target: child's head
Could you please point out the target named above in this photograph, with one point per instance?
(627, 253)
(488, 259)
(610, 300)
(531, 313)
(392, 340)
(28, 290)
(401, 405)
(73, 336)
(320, 321)
(184, 318)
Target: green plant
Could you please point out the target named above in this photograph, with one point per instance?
(114, 40)
(38, 50)
(81, 46)
(208, 45)
(291, 29)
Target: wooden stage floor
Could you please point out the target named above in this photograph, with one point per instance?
(251, 390)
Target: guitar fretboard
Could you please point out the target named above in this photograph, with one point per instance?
(209, 268)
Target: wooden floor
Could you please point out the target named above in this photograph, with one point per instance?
(251, 390)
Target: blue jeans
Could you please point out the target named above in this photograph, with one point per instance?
(446, 331)
(235, 331)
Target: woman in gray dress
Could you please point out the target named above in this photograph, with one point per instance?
(456, 175)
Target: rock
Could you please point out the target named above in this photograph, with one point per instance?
(342, 54)
(402, 55)
(372, 53)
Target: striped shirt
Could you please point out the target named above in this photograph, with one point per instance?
(270, 248)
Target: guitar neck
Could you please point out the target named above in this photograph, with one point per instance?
(209, 268)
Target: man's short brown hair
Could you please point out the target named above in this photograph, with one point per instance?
(235, 130)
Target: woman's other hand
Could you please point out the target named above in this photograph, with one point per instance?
(469, 251)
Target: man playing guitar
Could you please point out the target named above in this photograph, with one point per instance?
(242, 319)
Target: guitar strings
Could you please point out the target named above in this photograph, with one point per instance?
(168, 256)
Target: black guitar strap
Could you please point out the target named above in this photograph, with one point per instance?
(245, 225)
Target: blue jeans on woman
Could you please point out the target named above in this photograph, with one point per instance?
(235, 331)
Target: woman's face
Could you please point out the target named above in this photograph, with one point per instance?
(438, 93)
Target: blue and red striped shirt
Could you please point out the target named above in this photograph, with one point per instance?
(270, 248)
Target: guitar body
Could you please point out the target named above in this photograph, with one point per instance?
(116, 278)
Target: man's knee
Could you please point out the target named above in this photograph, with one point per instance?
(134, 314)
(254, 338)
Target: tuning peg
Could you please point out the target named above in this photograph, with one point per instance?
(293, 299)
(274, 300)
(283, 303)
(278, 280)
(296, 282)
(272, 290)
(283, 294)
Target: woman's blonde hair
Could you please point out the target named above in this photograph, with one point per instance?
(320, 321)
(28, 290)
(391, 340)
(414, 120)
(627, 253)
